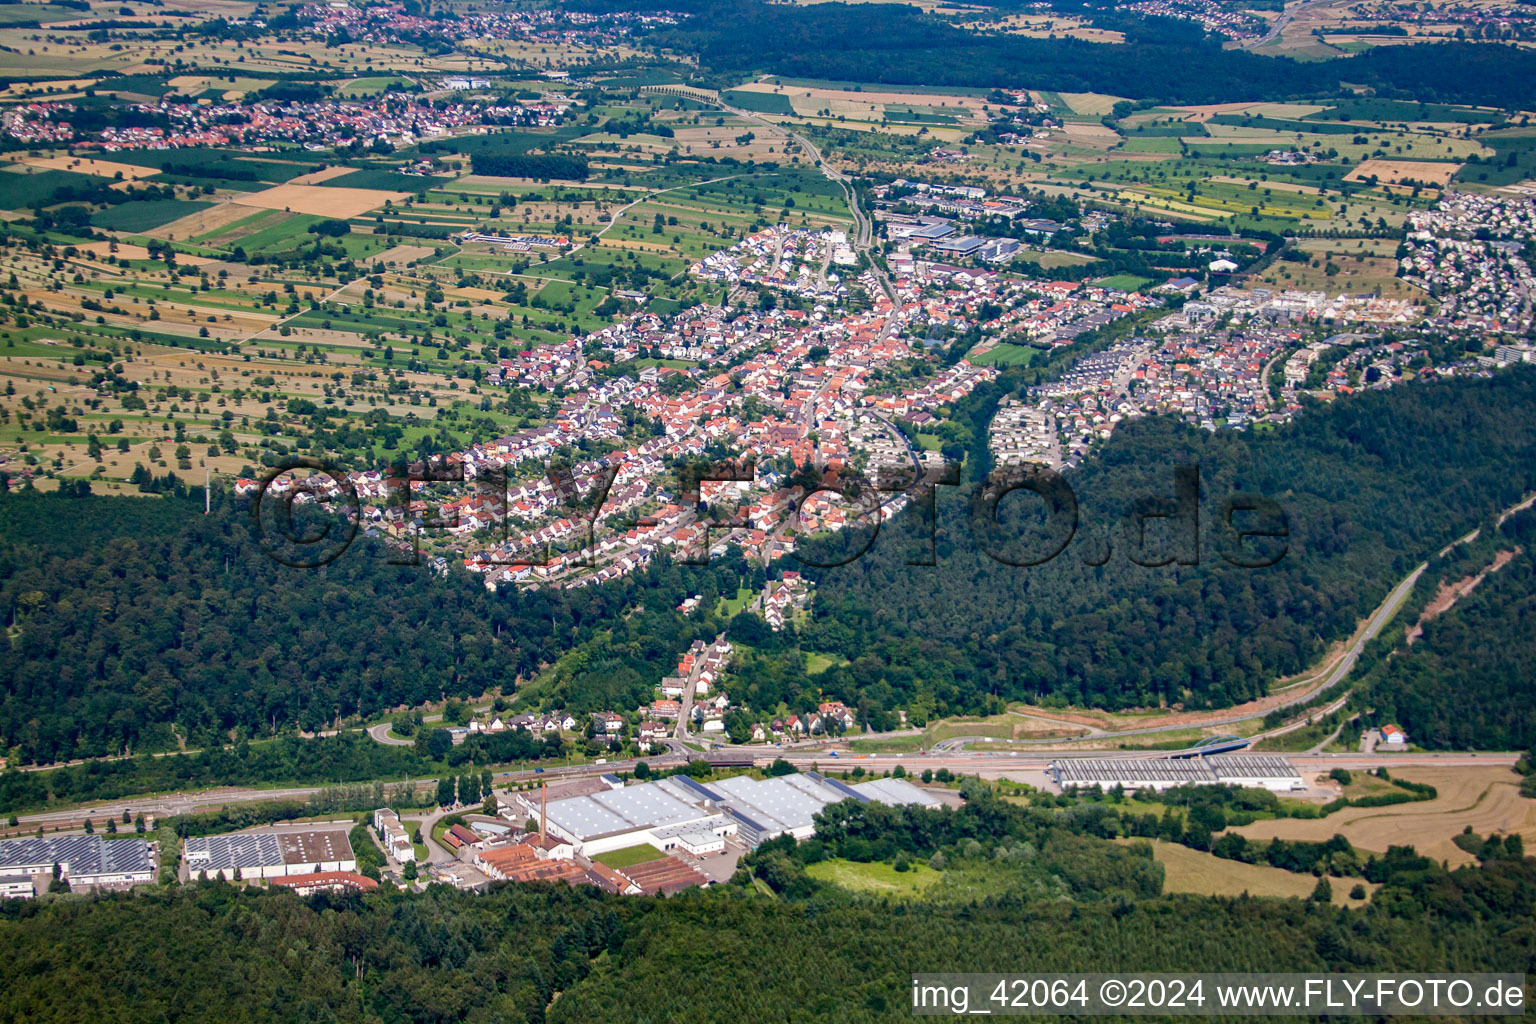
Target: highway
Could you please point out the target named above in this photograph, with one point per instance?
(1340, 670)
(959, 762)
(1278, 27)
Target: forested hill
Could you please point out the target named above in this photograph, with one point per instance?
(1162, 59)
(1467, 682)
(1371, 485)
(131, 616)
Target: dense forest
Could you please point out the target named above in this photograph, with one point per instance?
(130, 616)
(771, 945)
(1163, 59)
(1466, 682)
(139, 623)
(1364, 503)
(530, 165)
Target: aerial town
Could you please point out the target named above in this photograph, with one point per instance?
(593, 511)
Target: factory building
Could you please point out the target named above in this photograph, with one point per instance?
(82, 860)
(659, 813)
(269, 854)
(684, 815)
(327, 881)
(1258, 771)
(17, 887)
(768, 808)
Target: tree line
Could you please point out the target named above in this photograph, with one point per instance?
(1093, 627)
(143, 626)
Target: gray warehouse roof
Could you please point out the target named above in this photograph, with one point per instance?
(1218, 768)
(85, 855)
(782, 803)
(623, 810)
(895, 792)
(679, 805)
(266, 849)
(1231, 767)
(242, 850)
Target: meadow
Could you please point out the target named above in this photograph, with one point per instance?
(1486, 799)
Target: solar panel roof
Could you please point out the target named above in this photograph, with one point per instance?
(85, 855)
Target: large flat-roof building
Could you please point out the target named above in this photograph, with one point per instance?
(682, 814)
(269, 854)
(17, 887)
(83, 860)
(658, 813)
(768, 808)
(964, 245)
(1259, 771)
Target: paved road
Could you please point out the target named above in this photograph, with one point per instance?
(380, 733)
(614, 219)
(966, 762)
(1337, 674)
(863, 226)
(686, 704)
(1279, 25)
(436, 853)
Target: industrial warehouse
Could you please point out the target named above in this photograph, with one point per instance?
(269, 854)
(1259, 771)
(679, 813)
(83, 861)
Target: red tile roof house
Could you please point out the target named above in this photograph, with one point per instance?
(458, 837)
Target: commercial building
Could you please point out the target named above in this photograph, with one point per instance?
(697, 844)
(768, 808)
(681, 814)
(326, 881)
(397, 841)
(457, 837)
(82, 860)
(1258, 771)
(16, 887)
(965, 245)
(269, 854)
(658, 813)
(999, 250)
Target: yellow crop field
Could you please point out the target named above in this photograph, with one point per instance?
(319, 200)
(1393, 171)
(1488, 799)
(1192, 871)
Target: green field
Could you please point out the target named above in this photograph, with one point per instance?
(759, 102)
(360, 87)
(19, 191)
(1152, 144)
(380, 178)
(729, 606)
(1124, 282)
(1006, 355)
(876, 878)
(20, 14)
(144, 215)
(817, 663)
(293, 226)
(629, 856)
